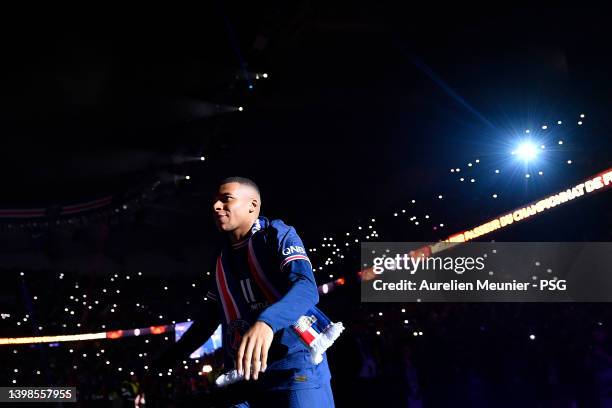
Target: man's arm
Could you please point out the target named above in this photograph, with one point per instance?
(301, 296)
(303, 293)
(204, 325)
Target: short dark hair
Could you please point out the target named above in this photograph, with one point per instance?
(241, 180)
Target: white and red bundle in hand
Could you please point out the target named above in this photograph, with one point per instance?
(314, 329)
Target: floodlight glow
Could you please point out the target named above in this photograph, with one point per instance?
(527, 151)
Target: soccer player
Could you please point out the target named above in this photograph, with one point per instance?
(264, 284)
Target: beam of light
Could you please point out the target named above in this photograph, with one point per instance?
(113, 334)
(434, 77)
(526, 151)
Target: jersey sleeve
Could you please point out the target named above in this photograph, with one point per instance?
(296, 268)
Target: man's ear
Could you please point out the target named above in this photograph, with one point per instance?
(254, 205)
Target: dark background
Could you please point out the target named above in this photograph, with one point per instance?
(367, 106)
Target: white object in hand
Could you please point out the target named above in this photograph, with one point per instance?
(231, 377)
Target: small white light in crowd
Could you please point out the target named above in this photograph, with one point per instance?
(206, 368)
(265, 75)
(414, 201)
(477, 160)
(120, 369)
(526, 130)
(187, 177)
(542, 147)
(380, 313)
(559, 122)
(569, 162)
(527, 175)
(540, 172)
(494, 195)
(403, 310)
(532, 336)
(469, 164)
(560, 142)
(240, 108)
(420, 333)
(21, 273)
(472, 180)
(544, 127)
(579, 122)
(440, 196)
(136, 332)
(405, 321)
(461, 179)
(582, 115)
(415, 334)
(202, 158)
(378, 333)
(325, 288)
(107, 362)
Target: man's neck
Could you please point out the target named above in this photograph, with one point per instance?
(240, 233)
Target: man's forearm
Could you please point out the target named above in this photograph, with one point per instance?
(302, 296)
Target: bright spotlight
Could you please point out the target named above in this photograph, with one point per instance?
(527, 151)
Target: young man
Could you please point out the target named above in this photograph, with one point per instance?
(264, 284)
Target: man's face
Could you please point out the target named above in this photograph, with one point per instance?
(233, 206)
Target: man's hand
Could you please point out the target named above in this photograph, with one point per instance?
(252, 355)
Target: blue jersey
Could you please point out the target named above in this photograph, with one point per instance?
(268, 277)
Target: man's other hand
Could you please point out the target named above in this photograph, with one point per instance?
(252, 355)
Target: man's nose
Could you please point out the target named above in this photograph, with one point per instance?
(217, 206)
